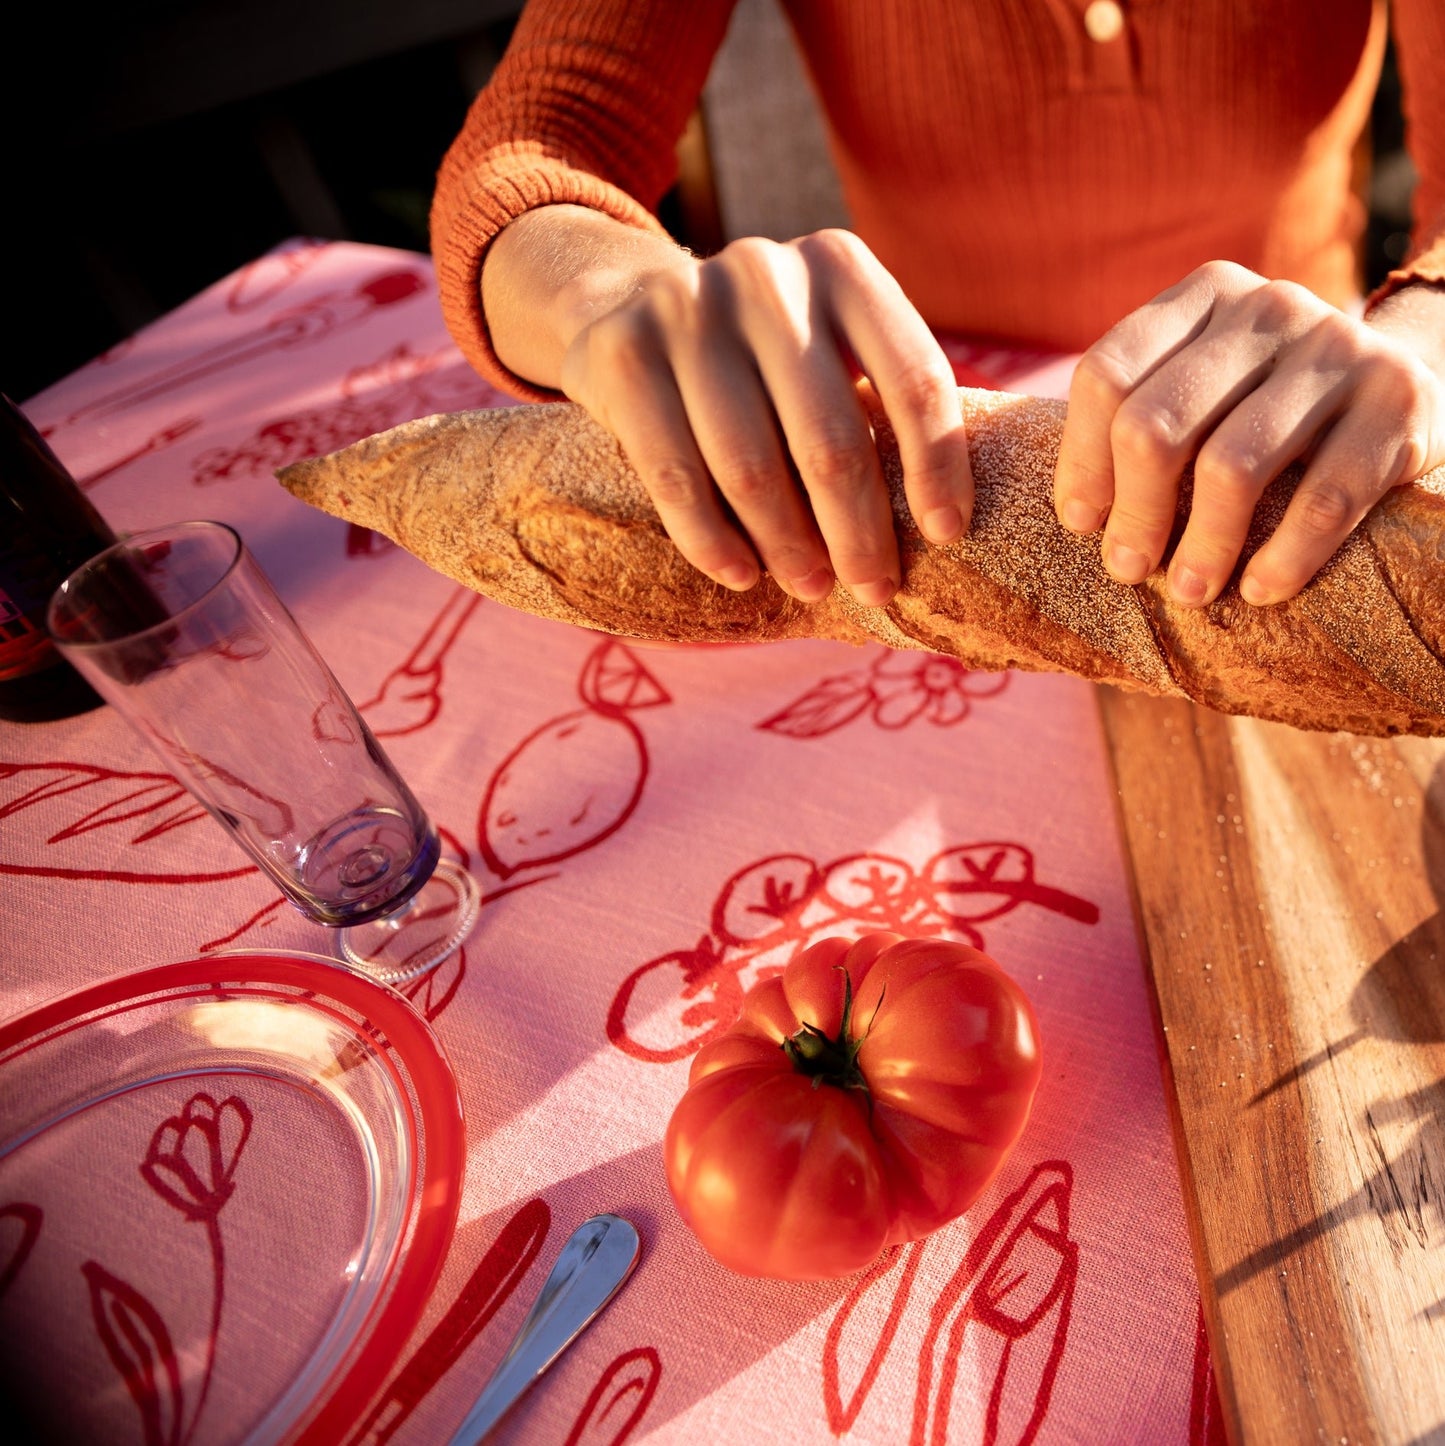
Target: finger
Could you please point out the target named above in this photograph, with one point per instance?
(642, 407)
(1170, 415)
(1355, 464)
(1110, 371)
(826, 429)
(737, 434)
(832, 445)
(1276, 424)
(913, 379)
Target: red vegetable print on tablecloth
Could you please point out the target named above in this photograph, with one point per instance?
(767, 913)
(575, 780)
(486, 1290)
(1007, 1305)
(410, 696)
(897, 689)
(191, 1164)
(113, 825)
(395, 388)
(287, 331)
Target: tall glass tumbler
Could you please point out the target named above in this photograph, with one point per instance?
(179, 629)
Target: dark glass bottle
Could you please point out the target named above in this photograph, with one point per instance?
(47, 529)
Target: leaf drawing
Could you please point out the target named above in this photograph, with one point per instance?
(619, 1400)
(17, 1240)
(112, 825)
(826, 706)
(139, 1346)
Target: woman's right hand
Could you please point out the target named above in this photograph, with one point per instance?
(731, 385)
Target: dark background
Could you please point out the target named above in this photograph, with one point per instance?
(157, 146)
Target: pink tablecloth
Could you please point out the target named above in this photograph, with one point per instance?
(652, 829)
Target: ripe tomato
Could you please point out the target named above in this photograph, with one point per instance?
(862, 1098)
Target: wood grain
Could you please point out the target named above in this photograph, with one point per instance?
(1290, 889)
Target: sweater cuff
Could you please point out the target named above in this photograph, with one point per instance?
(1427, 265)
(463, 230)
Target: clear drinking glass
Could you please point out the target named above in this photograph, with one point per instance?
(179, 629)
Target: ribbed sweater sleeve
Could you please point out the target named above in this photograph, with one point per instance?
(585, 108)
(1021, 177)
(1419, 27)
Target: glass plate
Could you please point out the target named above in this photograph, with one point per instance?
(227, 1187)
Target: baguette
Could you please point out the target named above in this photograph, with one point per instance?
(536, 507)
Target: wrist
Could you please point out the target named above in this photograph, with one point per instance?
(1414, 315)
(555, 270)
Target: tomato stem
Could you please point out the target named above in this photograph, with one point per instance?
(826, 1059)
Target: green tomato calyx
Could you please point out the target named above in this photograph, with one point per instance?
(827, 1059)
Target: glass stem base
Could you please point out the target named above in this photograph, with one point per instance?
(432, 925)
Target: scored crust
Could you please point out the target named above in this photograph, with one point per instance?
(537, 507)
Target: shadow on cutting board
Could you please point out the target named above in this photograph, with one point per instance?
(1400, 999)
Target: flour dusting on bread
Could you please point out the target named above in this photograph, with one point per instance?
(537, 507)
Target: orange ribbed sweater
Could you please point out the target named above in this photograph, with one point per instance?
(1020, 179)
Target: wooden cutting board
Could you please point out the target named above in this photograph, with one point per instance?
(1290, 889)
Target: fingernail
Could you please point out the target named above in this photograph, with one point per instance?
(1254, 592)
(875, 594)
(739, 576)
(1125, 564)
(1079, 516)
(943, 525)
(816, 586)
(1187, 586)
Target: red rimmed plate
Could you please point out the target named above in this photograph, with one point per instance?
(227, 1188)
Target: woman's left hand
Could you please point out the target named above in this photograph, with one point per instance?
(1244, 376)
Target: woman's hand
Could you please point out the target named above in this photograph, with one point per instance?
(1245, 376)
(730, 383)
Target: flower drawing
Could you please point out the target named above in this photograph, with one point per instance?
(897, 689)
(192, 1156)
